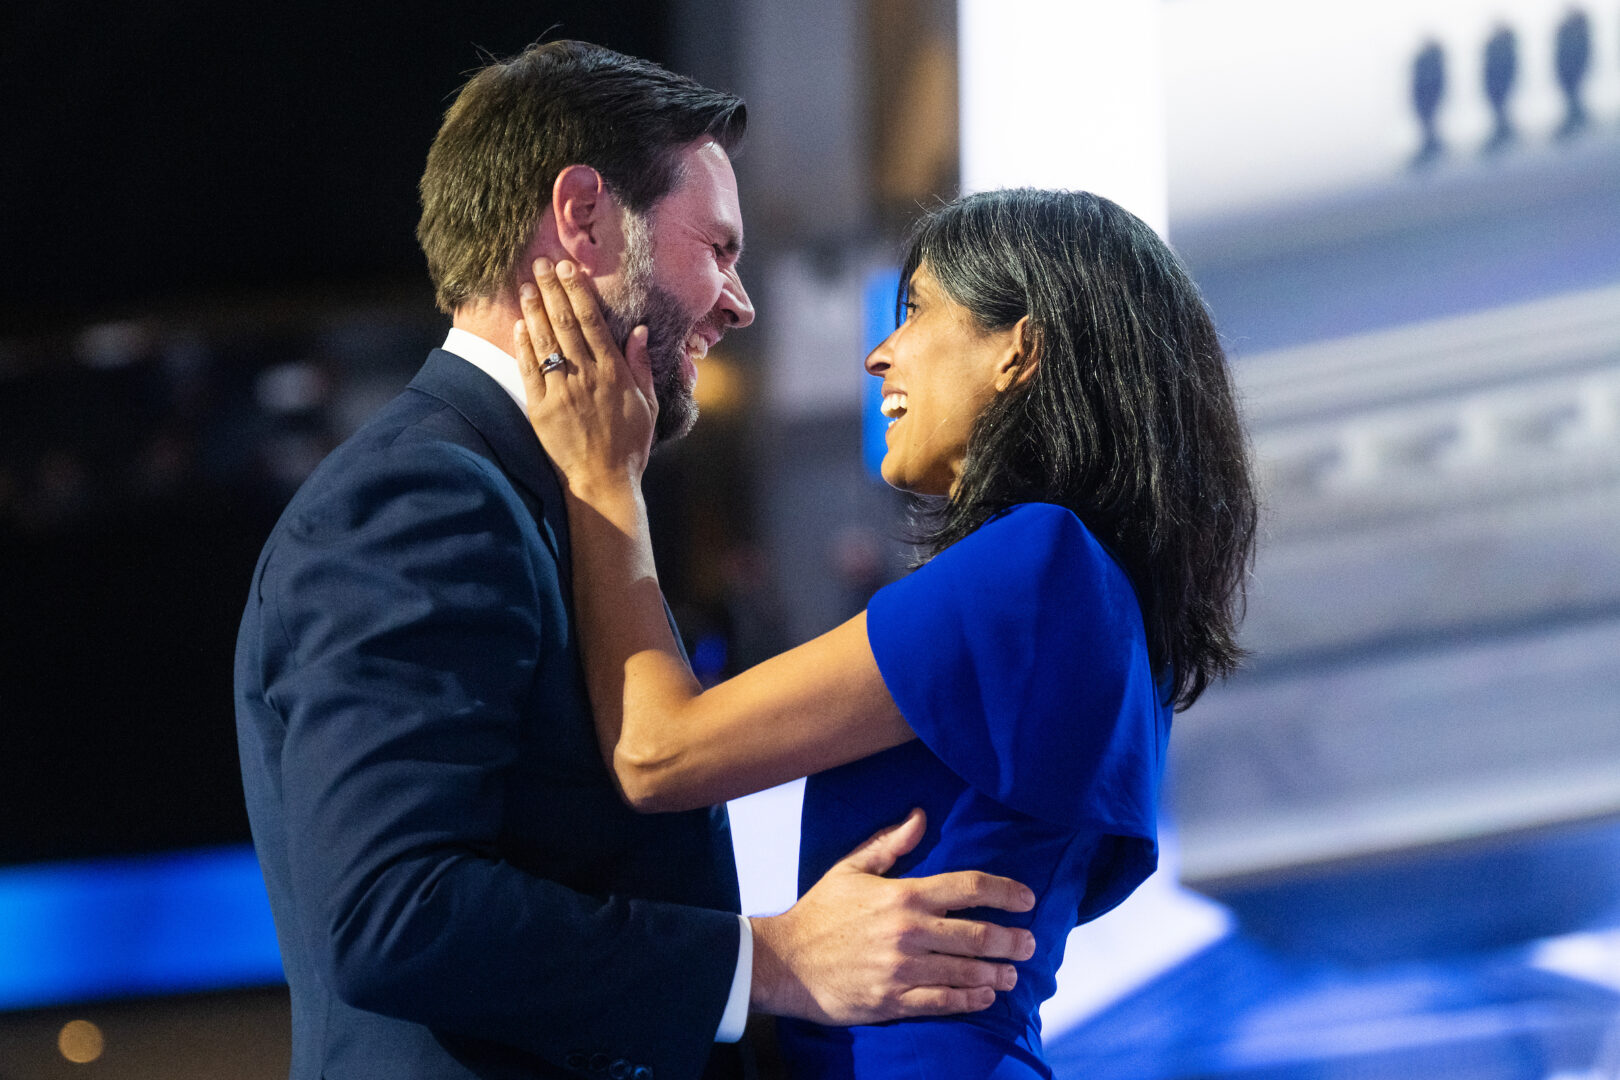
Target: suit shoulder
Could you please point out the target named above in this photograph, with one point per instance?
(413, 417)
(417, 461)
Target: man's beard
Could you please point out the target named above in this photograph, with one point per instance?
(640, 301)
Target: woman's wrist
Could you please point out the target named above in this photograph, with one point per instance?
(611, 493)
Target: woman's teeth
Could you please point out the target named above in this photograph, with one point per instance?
(894, 405)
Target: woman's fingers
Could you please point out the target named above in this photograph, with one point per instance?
(542, 337)
(574, 315)
(640, 365)
(534, 383)
(590, 411)
(586, 314)
(564, 323)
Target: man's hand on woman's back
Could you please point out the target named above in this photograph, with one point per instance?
(859, 948)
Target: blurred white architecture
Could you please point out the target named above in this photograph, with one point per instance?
(1065, 94)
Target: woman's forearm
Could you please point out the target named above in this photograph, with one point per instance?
(634, 671)
(669, 744)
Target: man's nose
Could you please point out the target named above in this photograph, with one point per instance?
(734, 302)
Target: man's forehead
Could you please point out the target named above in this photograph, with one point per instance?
(706, 151)
(705, 189)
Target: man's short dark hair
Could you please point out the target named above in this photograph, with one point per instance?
(518, 123)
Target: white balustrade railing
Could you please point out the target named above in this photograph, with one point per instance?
(1435, 613)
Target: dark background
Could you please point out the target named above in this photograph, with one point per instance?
(192, 194)
(179, 147)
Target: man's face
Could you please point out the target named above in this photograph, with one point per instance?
(679, 277)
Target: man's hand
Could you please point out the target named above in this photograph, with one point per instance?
(859, 948)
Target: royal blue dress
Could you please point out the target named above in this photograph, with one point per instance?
(1018, 657)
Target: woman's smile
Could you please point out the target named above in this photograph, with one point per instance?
(939, 370)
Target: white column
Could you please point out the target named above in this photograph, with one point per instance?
(1065, 94)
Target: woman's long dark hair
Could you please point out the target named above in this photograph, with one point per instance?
(1128, 418)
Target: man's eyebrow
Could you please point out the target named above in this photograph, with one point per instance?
(731, 241)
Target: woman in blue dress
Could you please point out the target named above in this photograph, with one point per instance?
(1056, 386)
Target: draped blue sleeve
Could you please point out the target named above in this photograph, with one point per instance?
(1018, 657)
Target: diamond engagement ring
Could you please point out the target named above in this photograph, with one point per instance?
(552, 363)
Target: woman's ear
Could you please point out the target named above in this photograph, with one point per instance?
(1017, 364)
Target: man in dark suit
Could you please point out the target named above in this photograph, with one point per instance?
(458, 889)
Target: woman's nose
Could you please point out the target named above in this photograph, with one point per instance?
(877, 361)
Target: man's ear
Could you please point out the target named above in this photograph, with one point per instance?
(1018, 362)
(583, 209)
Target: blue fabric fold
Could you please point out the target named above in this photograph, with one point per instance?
(1018, 657)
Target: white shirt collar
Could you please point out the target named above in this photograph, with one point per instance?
(489, 358)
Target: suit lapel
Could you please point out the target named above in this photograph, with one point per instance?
(493, 413)
(496, 417)
(515, 450)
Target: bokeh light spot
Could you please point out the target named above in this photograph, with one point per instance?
(80, 1041)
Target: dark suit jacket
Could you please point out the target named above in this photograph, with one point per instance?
(457, 889)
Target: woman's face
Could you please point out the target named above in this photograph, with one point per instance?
(939, 371)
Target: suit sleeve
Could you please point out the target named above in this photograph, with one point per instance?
(407, 604)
